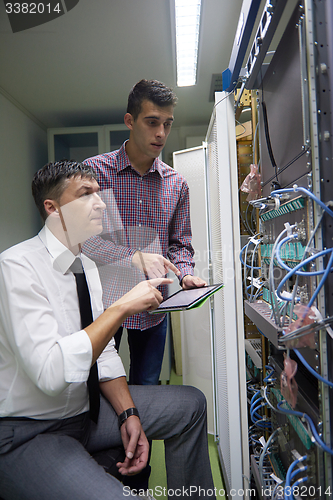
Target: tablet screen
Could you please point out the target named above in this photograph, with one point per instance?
(183, 299)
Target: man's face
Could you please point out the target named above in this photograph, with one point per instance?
(150, 130)
(81, 209)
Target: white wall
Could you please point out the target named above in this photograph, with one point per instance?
(23, 150)
(179, 139)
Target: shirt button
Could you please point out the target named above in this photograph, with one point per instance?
(139, 225)
(140, 201)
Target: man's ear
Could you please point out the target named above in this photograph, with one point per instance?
(129, 120)
(51, 207)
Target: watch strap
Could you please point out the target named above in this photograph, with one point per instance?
(125, 414)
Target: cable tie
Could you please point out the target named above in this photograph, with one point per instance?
(296, 454)
(288, 228)
(254, 241)
(286, 295)
(262, 441)
(276, 479)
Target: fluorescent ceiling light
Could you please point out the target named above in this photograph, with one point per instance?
(187, 40)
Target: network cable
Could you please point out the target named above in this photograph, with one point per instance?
(241, 256)
(293, 296)
(275, 309)
(278, 490)
(290, 269)
(268, 375)
(315, 434)
(245, 222)
(269, 403)
(311, 370)
(256, 243)
(290, 474)
(303, 263)
(305, 330)
(308, 193)
(257, 419)
(300, 480)
(255, 396)
(255, 407)
(263, 453)
(260, 421)
(296, 270)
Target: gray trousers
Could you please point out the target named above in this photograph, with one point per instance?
(50, 459)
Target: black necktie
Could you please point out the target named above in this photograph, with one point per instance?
(87, 319)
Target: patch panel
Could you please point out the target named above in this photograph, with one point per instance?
(298, 426)
(286, 208)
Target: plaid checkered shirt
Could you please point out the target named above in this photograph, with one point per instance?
(150, 213)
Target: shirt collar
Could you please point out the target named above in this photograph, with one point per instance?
(124, 162)
(61, 257)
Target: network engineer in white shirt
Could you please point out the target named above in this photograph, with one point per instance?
(47, 438)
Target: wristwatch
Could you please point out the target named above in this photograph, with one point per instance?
(127, 413)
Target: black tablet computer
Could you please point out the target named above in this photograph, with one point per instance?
(187, 299)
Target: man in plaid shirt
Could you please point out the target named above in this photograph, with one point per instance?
(147, 230)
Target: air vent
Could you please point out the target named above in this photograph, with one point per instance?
(215, 86)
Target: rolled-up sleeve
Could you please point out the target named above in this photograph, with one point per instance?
(109, 363)
(77, 356)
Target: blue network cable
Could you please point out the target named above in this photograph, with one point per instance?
(250, 296)
(300, 480)
(287, 268)
(322, 281)
(307, 193)
(277, 491)
(254, 409)
(268, 376)
(263, 424)
(295, 472)
(256, 418)
(304, 263)
(312, 426)
(241, 257)
(311, 370)
(263, 453)
(255, 396)
(290, 475)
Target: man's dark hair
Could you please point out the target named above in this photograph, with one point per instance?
(149, 90)
(50, 181)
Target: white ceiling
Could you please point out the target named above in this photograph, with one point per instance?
(78, 69)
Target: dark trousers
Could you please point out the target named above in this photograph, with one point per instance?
(146, 353)
(146, 356)
(51, 459)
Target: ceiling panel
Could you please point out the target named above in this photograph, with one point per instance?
(78, 69)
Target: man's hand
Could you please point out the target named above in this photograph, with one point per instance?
(153, 265)
(192, 282)
(144, 296)
(136, 447)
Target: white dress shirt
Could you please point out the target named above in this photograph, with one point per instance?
(45, 357)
